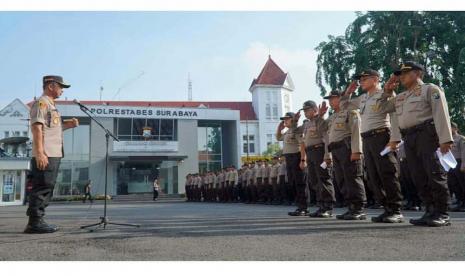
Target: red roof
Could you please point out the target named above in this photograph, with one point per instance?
(271, 74)
(246, 109)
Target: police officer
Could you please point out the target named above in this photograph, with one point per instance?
(345, 146)
(382, 170)
(315, 144)
(287, 193)
(274, 174)
(424, 123)
(456, 176)
(47, 151)
(294, 157)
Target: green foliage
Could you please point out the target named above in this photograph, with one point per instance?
(381, 40)
(272, 150)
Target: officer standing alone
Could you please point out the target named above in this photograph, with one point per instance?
(47, 151)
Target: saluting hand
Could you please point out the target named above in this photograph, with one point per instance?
(391, 84)
(322, 109)
(297, 116)
(351, 88)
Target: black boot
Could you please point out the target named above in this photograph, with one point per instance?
(342, 216)
(298, 213)
(438, 219)
(381, 217)
(423, 221)
(316, 213)
(357, 212)
(37, 225)
(394, 216)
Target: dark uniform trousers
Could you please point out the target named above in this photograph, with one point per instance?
(259, 188)
(348, 174)
(267, 190)
(276, 189)
(383, 176)
(408, 187)
(295, 177)
(285, 193)
(43, 183)
(320, 178)
(456, 182)
(427, 173)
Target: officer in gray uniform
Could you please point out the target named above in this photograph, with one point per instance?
(456, 176)
(315, 144)
(47, 151)
(345, 145)
(424, 123)
(294, 157)
(383, 175)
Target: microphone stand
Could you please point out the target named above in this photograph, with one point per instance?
(104, 221)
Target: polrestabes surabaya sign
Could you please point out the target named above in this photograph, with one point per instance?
(201, 113)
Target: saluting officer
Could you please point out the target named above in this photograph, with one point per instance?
(47, 151)
(315, 144)
(345, 145)
(291, 151)
(382, 170)
(424, 123)
(456, 176)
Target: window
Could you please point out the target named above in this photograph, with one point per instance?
(209, 146)
(251, 147)
(25, 133)
(7, 134)
(133, 129)
(16, 134)
(269, 139)
(268, 111)
(275, 111)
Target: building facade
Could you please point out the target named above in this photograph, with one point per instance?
(164, 140)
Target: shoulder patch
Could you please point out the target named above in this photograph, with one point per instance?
(42, 104)
(436, 95)
(353, 112)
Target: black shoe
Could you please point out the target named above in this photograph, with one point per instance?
(380, 218)
(438, 220)
(39, 226)
(356, 215)
(394, 217)
(298, 213)
(342, 216)
(423, 221)
(322, 213)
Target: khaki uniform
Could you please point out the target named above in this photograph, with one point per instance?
(424, 123)
(291, 150)
(376, 132)
(455, 177)
(344, 139)
(316, 141)
(274, 172)
(287, 191)
(44, 112)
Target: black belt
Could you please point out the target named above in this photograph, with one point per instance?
(339, 144)
(315, 146)
(374, 132)
(419, 127)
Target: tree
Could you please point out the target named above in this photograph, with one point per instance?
(381, 40)
(272, 150)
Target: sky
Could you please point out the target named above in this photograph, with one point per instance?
(148, 55)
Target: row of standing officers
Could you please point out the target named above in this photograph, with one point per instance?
(350, 141)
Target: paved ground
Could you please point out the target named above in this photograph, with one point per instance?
(210, 231)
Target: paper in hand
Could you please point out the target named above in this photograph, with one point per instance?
(447, 160)
(324, 165)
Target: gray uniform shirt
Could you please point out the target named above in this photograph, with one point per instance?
(43, 111)
(343, 124)
(292, 139)
(373, 115)
(424, 102)
(458, 150)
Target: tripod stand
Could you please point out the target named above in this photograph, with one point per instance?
(104, 221)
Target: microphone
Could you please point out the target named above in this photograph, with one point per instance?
(80, 104)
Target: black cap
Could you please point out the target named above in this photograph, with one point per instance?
(287, 115)
(366, 73)
(454, 125)
(409, 66)
(309, 104)
(334, 93)
(57, 79)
